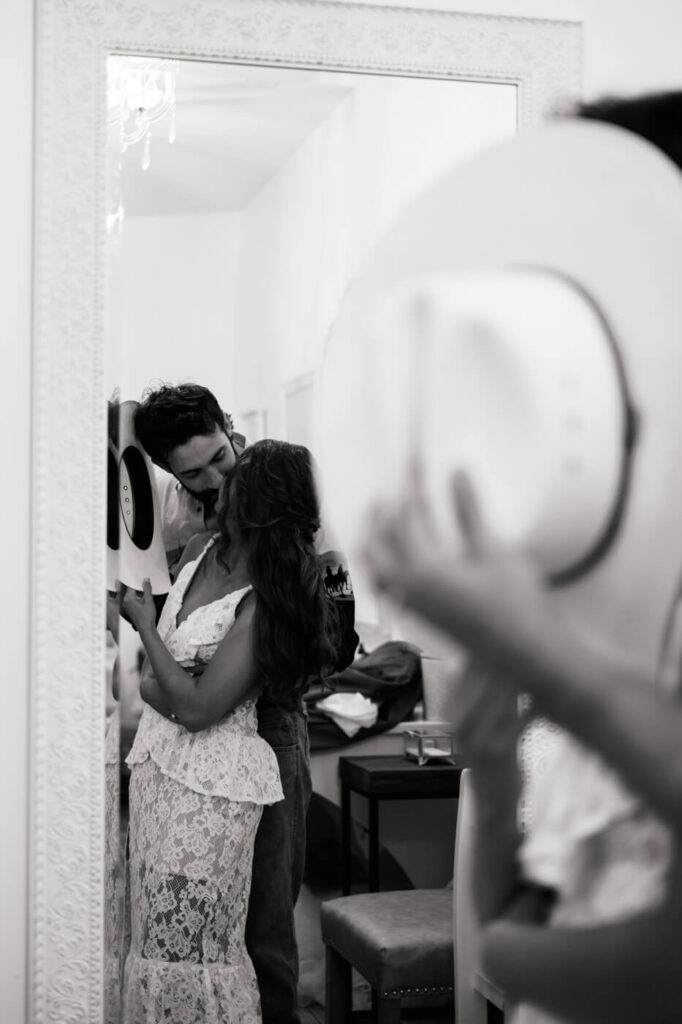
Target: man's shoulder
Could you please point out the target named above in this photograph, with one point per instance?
(165, 482)
(172, 495)
(181, 517)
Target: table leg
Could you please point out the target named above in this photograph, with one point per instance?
(345, 839)
(373, 845)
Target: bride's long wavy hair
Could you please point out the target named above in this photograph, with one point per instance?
(271, 500)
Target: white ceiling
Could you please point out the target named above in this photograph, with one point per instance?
(235, 126)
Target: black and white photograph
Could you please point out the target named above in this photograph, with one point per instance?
(343, 412)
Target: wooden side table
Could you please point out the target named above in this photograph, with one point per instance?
(387, 777)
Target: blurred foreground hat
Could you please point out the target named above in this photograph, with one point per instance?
(523, 320)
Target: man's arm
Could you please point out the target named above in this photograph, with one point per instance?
(486, 727)
(624, 973)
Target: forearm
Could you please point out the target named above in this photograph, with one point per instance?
(169, 689)
(616, 974)
(201, 695)
(152, 694)
(495, 880)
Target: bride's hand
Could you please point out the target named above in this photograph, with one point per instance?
(139, 607)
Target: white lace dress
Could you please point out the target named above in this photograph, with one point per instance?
(195, 803)
(591, 840)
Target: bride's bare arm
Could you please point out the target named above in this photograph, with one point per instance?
(228, 679)
(486, 727)
(151, 693)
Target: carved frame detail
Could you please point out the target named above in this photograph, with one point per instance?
(542, 58)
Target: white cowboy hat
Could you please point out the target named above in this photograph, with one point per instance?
(135, 548)
(523, 320)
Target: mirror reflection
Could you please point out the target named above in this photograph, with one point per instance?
(241, 204)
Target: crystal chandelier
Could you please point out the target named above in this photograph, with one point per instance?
(140, 93)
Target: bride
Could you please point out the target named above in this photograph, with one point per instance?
(248, 614)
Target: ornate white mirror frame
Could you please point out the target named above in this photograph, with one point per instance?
(541, 58)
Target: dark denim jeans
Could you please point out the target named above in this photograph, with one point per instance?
(278, 862)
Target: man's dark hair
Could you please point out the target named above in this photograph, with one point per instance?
(169, 416)
(656, 117)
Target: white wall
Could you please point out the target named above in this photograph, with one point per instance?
(304, 236)
(306, 233)
(170, 304)
(16, 85)
(629, 46)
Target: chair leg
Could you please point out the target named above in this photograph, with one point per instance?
(338, 998)
(387, 1010)
(494, 1015)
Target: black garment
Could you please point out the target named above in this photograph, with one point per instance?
(391, 676)
(280, 850)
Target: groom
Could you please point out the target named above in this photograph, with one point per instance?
(188, 436)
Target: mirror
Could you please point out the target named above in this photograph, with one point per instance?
(238, 216)
(81, 277)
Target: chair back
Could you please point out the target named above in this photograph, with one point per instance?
(470, 1004)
